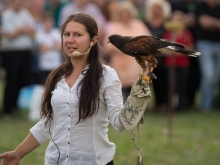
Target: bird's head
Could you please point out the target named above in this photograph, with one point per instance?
(117, 40)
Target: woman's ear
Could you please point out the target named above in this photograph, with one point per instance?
(94, 40)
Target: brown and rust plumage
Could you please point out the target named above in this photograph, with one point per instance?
(144, 48)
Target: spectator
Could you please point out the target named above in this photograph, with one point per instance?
(126, 66)
(3, 6)
(140, 6)
(208, 43)
(156, 15)
(189, 7)
(110, 10)
(54, 7)
(49, 42)
(83, 6)
(36, 8)
(110, 13)
(100, 4)
(18, 32)
(180, 34)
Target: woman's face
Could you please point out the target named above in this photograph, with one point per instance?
(48, 25)
(17, 4)
(75, 38)
(157, 10)
(125, 16)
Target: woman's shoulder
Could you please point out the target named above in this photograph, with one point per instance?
(107, 70)
(109, 73)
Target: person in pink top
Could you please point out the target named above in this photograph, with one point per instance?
(127, 24)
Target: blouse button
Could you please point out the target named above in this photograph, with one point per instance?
(68, 142)
(69, 115)
(68, 129)
(66, 156)
(67, 103)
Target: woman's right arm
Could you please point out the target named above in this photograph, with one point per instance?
(14, 157)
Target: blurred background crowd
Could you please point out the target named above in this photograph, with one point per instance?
(31, 46)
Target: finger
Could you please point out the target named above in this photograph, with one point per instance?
(2, 155)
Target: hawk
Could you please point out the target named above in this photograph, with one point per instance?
(144, 48)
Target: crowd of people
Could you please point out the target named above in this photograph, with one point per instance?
(31, 45)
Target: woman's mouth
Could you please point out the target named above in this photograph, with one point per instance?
(71, 49)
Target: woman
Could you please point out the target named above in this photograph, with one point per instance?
(81, 97)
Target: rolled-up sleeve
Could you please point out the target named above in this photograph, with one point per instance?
(42, 132)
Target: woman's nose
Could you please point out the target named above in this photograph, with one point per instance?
(71, 39)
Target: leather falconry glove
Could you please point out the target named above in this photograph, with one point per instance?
(136, 104)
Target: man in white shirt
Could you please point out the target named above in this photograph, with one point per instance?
(17, 42)
(49, 41)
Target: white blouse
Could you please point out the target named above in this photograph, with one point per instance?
(85, 143)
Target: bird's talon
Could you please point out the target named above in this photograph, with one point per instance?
(147, 78)
(151, 69)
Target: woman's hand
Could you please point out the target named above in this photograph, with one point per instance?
(10, 158)
(136, 104)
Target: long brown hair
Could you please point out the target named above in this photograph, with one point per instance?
(89, 85)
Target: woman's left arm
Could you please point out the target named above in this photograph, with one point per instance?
(114, 101)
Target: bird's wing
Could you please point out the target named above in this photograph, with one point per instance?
(148, 44)
(140, 44)
(170, 42)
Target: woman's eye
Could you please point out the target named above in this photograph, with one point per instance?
(77, 35)
(65, 34)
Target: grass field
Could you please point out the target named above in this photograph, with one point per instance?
(195, 140)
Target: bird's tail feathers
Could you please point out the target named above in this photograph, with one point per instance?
(183, 50)
(194, 54)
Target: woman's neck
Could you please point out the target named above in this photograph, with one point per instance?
(79, 65)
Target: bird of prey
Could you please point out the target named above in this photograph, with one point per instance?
(144, 48)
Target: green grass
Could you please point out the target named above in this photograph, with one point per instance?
(195, 140)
